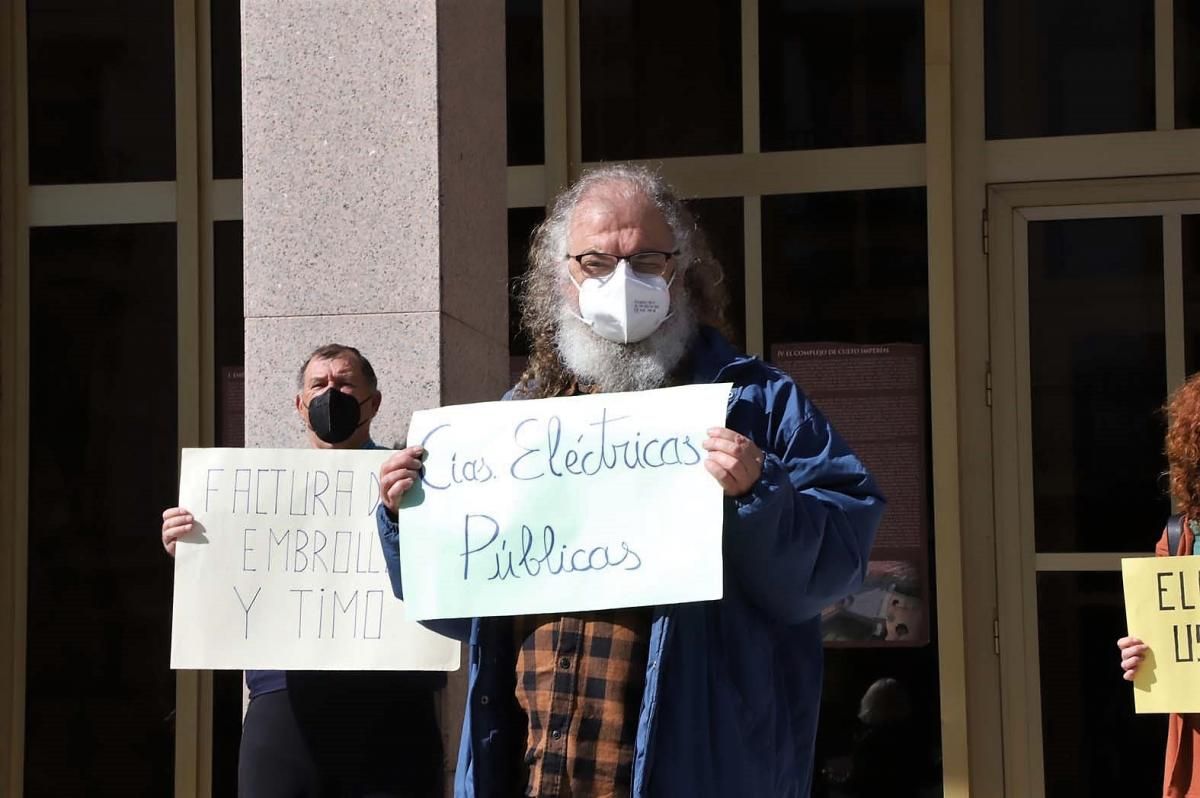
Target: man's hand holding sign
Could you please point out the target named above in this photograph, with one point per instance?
(733, 460)
(580, 503)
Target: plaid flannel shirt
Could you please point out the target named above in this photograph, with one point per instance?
(580, 680)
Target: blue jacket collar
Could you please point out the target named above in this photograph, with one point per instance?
(712, 354)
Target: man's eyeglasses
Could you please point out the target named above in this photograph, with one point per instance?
(651, 263)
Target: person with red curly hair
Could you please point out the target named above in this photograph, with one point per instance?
(1181, 776)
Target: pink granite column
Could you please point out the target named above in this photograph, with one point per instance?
(374, 206)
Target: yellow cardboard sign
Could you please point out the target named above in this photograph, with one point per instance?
(1162, 607)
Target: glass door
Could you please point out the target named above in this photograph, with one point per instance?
(1089, 287)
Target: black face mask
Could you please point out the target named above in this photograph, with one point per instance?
(334, 415)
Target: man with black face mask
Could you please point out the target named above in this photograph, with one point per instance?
(338, 398)
(325, 733)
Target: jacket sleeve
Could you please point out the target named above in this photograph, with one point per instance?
(389, 538)
(801, 538)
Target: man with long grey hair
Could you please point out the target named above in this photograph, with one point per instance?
(566, 347)
(714, 698)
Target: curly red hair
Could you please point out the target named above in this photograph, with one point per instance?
(1183, 446)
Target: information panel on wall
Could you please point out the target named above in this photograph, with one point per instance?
(874, 395)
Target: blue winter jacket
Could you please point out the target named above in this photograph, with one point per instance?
(732, 686)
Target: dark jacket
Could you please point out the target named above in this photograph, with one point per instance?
(732, 686)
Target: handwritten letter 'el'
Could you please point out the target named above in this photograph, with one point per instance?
(285, 568)
(566, 504)
(1162, 606)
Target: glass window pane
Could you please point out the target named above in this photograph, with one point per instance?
(228, 370)
(1068, 67)
(845, 266)
(1187, 63)
(101, 91)
(838, 73)
(1097, 376)
(902, 759)
(723, 222)
(1191, 291)
(853, 267)
(99, 694)
(641, 63)
(523, 40)
(226, 88)
(1092, 741)
(228, 333)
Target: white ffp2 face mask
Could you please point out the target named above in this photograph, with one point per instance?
(624, 307)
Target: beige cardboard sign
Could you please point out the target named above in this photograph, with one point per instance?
(285, 569)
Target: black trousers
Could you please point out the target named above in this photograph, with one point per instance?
(341, 736)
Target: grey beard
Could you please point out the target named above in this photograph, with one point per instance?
(639, 366)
